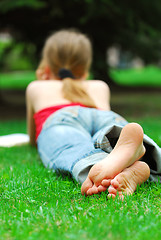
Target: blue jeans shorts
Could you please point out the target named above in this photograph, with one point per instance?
(74, 138)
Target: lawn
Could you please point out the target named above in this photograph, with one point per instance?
(16, 80)
(37, 204)
(149, 76)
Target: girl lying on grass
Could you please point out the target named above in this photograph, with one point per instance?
(75, 130)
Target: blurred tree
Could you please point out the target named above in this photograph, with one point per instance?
(133, 25)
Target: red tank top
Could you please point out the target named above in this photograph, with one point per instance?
(41, 116)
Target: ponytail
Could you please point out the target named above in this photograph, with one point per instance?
(73, 90)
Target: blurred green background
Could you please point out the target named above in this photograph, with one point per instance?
(126, 38)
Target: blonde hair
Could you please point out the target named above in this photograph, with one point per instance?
(71, 50)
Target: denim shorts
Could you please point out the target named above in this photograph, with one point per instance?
(74, 138)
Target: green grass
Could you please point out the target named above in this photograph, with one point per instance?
(16, 80)
(19, 79)
(37, 204)
(149, 76)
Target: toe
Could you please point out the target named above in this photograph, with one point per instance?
(111, 195)
(106, 182)
(102, 188)
(112, 190)
(87, 184)
(115, 183)
(92, 190)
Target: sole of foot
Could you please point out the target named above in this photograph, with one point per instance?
(126, 182)
(128, 149)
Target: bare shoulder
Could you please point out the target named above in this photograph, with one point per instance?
(41, 85)
(30, 88)
(31, 85)
(99, 84)
(100, 92)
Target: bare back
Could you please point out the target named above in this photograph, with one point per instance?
(46, 93)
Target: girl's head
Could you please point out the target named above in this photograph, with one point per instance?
(67, 55)
(68, 49)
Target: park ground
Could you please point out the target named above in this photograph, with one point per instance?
(131, 103)
(37, 204)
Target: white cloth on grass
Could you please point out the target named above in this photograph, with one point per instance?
(15, 139)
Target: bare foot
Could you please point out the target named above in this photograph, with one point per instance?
(125, 183)
(128, 149)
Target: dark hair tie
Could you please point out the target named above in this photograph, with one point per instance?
(65, 73)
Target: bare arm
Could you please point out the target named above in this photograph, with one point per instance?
(30, 112)
(105, 97)
(100, 93)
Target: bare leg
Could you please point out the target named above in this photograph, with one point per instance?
(129, 148)
(125, 183)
